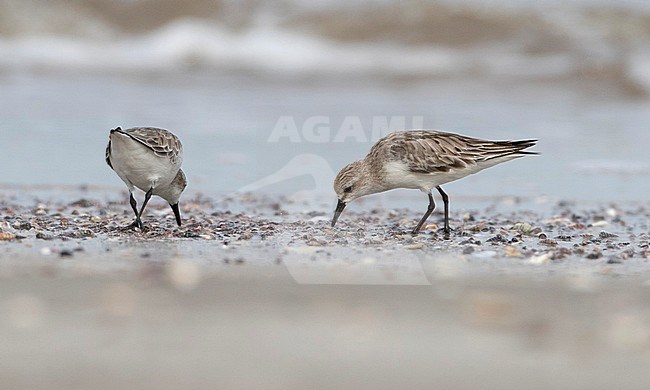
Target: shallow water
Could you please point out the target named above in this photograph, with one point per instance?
(294, 135)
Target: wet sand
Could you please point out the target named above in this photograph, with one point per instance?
(267, 295)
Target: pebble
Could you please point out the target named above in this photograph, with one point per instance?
(20, 225)
(548, 242)
(604, 234)
(523, 228)
(595, 254)
(541, 259)
(43, 236)
(511, 251)
(6, 236)
(316, 242)
(468, 250)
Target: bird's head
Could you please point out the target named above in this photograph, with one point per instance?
(172, 193)
(351, 183)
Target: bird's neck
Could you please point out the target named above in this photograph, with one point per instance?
(373, 182)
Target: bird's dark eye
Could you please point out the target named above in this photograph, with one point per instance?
(347, 189)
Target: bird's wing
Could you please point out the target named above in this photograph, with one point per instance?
(108, 154)
(160, 141)
(432, 151)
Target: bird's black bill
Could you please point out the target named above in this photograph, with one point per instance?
(177, 213)
(337, 213)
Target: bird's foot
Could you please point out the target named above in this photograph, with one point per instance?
(446, 232)
(136, 224)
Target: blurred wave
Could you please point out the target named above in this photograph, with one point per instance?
(612, 167)
(543, 40)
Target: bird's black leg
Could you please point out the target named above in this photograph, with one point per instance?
(430, 208)
(147, 196)
(445, 200)
(134, 205)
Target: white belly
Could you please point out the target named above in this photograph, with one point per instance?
(398, 175)
(138, 166)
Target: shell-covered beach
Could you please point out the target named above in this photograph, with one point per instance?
(264, 281)
(549, 239)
